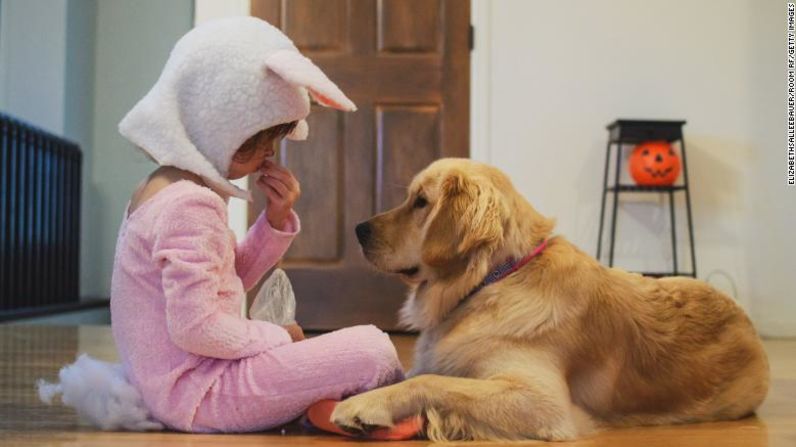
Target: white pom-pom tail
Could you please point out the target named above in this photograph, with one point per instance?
(101, 394)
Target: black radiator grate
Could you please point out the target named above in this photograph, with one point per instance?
(39, 217)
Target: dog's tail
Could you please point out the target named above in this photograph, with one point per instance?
(101, 394)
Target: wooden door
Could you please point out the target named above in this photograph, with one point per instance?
(406, 65)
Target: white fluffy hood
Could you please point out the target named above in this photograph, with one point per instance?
(226, 80)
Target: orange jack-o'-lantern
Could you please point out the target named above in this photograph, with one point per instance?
(654, 163)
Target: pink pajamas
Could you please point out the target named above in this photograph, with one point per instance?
(178, 284)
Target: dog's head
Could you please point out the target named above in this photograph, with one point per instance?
(459, 218)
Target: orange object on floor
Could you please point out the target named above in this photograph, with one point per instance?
(320, 414)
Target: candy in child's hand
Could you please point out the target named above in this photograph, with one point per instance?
(275, 302)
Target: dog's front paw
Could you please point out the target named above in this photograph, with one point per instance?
(363, 413)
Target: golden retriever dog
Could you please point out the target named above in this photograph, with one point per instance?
(556, 349)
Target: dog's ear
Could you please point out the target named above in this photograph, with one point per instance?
(469, 216)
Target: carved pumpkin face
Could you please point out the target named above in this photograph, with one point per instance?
(654, 163)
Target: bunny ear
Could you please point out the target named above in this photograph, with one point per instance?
(298, 70)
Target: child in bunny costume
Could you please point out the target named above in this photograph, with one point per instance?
(230, 88)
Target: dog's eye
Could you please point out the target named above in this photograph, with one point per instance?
(420, 202)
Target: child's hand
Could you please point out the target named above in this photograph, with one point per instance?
(295, 331)
(282, 190)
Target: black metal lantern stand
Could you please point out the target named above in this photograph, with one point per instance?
(627, 132)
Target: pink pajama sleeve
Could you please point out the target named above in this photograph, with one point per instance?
(194, 246)
(262, 248)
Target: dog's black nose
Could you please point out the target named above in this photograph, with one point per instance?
(363, 231)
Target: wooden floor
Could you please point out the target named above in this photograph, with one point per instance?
(30, 352)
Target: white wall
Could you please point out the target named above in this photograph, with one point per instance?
(32, 75)
(78, 92)
(47, 78)
(771, 214)
(213, 9)
(548, 77)
(133, 41)
(75, 67)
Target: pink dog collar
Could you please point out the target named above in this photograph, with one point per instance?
(506, 269)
